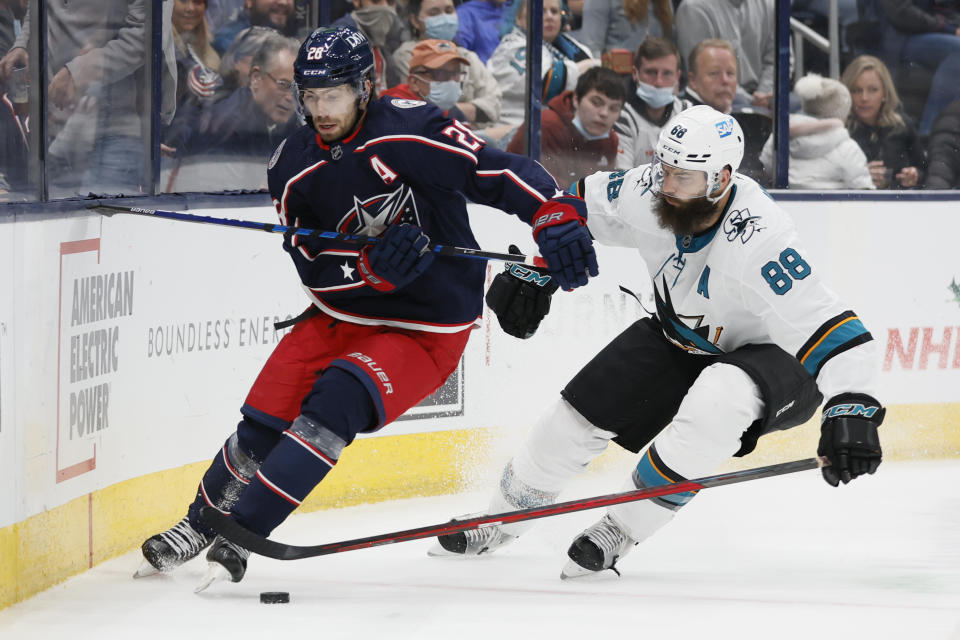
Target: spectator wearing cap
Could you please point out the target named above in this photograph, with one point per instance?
(436, 75)
(822, 153)
(437, 19)
(577, 137)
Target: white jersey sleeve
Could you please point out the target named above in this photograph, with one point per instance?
(804, 317)
(601, 191)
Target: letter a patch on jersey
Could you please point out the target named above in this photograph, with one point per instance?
(702, 286)
(387, 174)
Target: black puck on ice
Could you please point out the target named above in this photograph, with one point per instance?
(274, 597)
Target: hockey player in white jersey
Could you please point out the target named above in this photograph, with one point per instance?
(746, 340)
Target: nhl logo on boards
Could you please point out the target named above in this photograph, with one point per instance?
(336, 152)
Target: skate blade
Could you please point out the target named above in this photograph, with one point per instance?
(437, 551)
(146, 569)
(572, 570)
(215, 573)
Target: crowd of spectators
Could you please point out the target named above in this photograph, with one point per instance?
(614, 72)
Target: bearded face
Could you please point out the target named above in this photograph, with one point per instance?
(683, 217)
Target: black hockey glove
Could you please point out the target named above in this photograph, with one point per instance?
(520, 296)
(848, 436)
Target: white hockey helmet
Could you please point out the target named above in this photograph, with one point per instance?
(699, 139)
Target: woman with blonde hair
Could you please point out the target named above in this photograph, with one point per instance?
(624, 24)
(197, 61)
(887, 136)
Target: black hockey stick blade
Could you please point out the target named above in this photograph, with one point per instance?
(260, 545)
(444, 250)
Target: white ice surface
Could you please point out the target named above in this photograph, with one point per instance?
(784, 557)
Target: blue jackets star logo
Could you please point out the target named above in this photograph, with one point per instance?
(372, 216)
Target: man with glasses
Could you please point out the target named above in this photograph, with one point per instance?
(437, 72)
(234, 137)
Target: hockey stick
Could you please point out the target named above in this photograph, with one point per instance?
(236, 533)
(444, 250)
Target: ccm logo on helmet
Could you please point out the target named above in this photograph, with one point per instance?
(724, 127)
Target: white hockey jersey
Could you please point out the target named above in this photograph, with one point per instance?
(746, 281)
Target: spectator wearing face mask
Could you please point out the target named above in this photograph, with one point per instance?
(437, 20)
(378, 20)
(577, 137)
(651, 101)
(436, 74)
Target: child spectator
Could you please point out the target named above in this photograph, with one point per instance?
(651, 101)
(577, 137)
(889, 140)
(822, 154)
(624, 24)
(437, 19)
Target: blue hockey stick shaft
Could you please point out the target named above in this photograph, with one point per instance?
(111, 209)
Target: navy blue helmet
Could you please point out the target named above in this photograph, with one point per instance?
(333, 56)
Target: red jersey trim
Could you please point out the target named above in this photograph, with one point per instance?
(388, 322)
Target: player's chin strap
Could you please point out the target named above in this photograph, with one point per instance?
(717, 198)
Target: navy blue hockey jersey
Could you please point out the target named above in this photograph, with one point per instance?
(405, 163)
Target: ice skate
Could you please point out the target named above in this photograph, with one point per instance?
(168, 550)
(227, 562)
(596, 549)
(472, 542)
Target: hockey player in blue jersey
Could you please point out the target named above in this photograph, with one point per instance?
(389, 321)
(746, 340)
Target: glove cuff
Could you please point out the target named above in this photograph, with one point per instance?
(367, 274)
(560, 210)
(854, 405)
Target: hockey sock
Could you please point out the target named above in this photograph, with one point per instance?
(310, 448)
(231, 470)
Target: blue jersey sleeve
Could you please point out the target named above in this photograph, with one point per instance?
(447, 155)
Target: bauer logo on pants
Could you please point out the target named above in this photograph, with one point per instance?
(375, 368)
